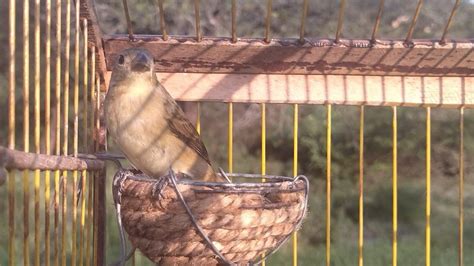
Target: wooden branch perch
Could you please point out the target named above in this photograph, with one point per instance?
(13, 159)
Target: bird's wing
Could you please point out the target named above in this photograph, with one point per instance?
(182, 128)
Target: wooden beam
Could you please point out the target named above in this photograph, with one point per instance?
(320, 89)
(289, 56)
(13, 159)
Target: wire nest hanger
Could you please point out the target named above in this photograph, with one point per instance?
(181, 222)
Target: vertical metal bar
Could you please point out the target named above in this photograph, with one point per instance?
(37, 128)
(89, 220)
(234, 21)
(428, 187)
(67, 53)
(361, 186)
(268, 21)
(93, 97)
(230, 138)
(127, 17)
(263, 123)
(57, 129)
(26, 128)
(198, 118)
(98, 181)
(76, 132)
(197, 16)
(11, 130)
(303, 20)
(461, 188)
(340, 20)
(413, 22)
(47, 87)
(377, 21)
(450, 20)
(394, 186)
(84, 178)
(295, 173)
(162, 20)
(85, 84)
(90, 186)
(328, 183)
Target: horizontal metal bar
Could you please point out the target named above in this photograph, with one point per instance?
(315, 56)
(13, 159)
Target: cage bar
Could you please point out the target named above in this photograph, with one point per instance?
(328, 182)
(295, 173)
(394, 186)
(361, 186)
(409, 36)
(230, 138)
(26, 129)
(164, 32)
(428, 188)
(340, 20)
(377, 21)
(268, 21)
(461, 189)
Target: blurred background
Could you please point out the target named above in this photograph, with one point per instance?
(321, 23)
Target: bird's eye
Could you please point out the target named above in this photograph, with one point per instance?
(121, 60)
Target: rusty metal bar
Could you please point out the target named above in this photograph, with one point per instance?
(428, 188)
(295, 173)
(303, 20)
(129, 22)
(377, 21)
(11, 129)
(461, 188)
(328, 182)
(450, 20)
(394, 186)
(268, 21)
(361, 186)
(408, 39)
(37, 134)
(162, 20)
(26, 128)
(340, 20)
(234, 21)
(197, 16)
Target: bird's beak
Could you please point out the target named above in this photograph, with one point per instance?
(140, 63)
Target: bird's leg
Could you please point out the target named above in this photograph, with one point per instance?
(118, 184)
(159, 186)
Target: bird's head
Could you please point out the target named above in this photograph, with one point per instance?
(133, 63)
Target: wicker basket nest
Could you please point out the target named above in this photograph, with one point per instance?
(182, 222)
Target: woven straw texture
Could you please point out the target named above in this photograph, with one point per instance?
(243, 221)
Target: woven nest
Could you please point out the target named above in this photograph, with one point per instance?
(177, 222)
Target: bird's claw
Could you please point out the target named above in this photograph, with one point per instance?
(118, 184)
(159, 186)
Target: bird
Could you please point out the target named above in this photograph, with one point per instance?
(148, 125)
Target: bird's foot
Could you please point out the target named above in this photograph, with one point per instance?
(159, 186)
(118, 184)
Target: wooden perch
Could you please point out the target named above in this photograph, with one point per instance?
(13, 159)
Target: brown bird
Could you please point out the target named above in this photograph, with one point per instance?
(148, 125)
